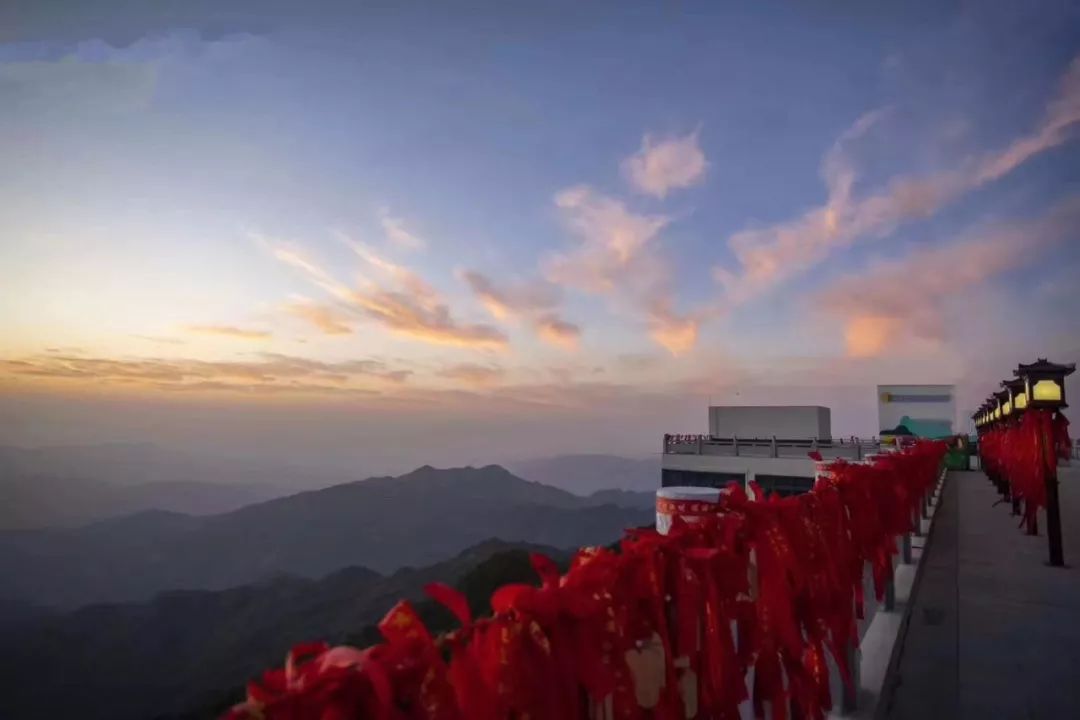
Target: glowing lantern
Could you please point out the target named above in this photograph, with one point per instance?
(1044, 383)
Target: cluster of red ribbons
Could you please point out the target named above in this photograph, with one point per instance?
(666, 627)
(1025, 453)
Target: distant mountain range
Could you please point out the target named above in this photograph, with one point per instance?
(92, 621)
(146, 464)
(587, 474)
(67, 486)
(382, 523)
(187, 654)
(44, 501)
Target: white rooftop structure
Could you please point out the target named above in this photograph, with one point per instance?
(768, 444)
(768, 421)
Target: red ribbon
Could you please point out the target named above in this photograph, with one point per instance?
(550, 650)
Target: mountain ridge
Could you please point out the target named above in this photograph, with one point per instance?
(383, 523)
(187, 653)
(587, 473)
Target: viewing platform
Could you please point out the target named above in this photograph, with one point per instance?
(992, 631)
(781, 465)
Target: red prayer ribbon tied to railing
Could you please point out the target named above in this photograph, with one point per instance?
(1025, 453)
(645, 631)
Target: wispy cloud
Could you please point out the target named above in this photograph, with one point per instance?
(328, 319)
(617, 258)
(556, 331)
(770, 255)
(508, 301)
(400, 275)
(394, 229)
(614, 242)
(229, 331)
(398, 299)
(162, 340)
(892, 303)
(269, 372)
(473, 374)
(536, 302)
(661, 166)
(674, 332)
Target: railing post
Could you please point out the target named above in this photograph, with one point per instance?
(735, 444)
(775, 451)
(905, 549)
(700, 444)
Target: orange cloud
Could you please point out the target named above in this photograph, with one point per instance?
(230, 331)
(556, 331)
(535, 301)
(399, 300)
(270, 372)
(326, 318)
(895, 302)
(665, 165)
(614, 242)
(868, 336)
(403, 314)
(674, 332)
(473, 374)
(770, 255)
(513, 300)
(616, 259)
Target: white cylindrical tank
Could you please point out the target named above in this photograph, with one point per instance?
(689, 503)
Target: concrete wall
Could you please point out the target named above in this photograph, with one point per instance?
(923, 404)
(764, 421)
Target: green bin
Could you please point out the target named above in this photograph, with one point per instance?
(956, 459)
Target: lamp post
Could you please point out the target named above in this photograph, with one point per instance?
(988, 423)
(996, 421)
(1044, 390)
(1012, 409)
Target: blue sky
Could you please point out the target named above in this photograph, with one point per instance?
(561, 213)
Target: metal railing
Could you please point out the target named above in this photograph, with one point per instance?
(850, 448)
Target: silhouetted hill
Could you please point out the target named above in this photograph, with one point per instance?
(624, 498)
(189, 653)
(382, 523)
(586, 474)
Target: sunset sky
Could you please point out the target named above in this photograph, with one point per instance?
(380, 237)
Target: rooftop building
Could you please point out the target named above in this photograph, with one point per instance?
(767, 444)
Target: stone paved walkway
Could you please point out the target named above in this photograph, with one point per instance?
(993, 632)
